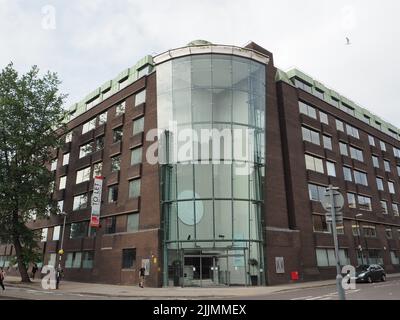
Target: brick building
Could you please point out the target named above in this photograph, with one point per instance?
(197, 220)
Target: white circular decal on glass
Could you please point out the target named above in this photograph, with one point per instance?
(186, 208)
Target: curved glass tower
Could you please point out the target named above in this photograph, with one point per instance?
(211, 117)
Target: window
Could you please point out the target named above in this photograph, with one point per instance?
(356, 154)
(396, 152)
(136, 156)
(330, 168)
(360, 178)
(138, 125)
(52, 259)
(68, 137)
(326, 257)
(335, 102)
(56, 233)
(355, 228)
(60, 205)
(113, 194)
(102, 118)
(111, 223)
(323, 117)
(63, 182)
(394, 257)
(117, 134)
(144, 71)
(351, 131)
(302, 85)
(369, 231)
(310, 135)
(78, 230)
(83, 175)
(128, 258)
(371, 140)
(364, 203)
(314, 164)
(351, 199)
(73, 260)
(375, 161)
(90, 125)
(134, 188)
(383, 145)
(395, 208)
(307, 110)
(391, 187)
(389, 233)
(140, 98)
(327, 142)
(99, 143)
(45, 231)
(85, 150)
(54, 165)
(366, 119)
(65, 159)
(87, 261)
(319, 224)
(387, 165)
(316, 192)
(80, 202)
(347, 174)
(398, 170)
(132, 224)
(339, 125)
(120, 109)
(115, 163)
(97, 168)
(343, 149)
(319, 93)
(379, 184)
(347, 108)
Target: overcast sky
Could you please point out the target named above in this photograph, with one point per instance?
(88, 42)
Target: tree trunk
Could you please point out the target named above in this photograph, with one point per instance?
(21, 265)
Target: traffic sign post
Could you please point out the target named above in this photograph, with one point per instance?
(333, 203)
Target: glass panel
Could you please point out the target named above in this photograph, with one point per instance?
(240, 110)
(184, 175)
(221, 71)
(222, 179)
(203, 178)
(201, 71)
(223, 220)
(205, 218)
(241, 221)
(202, 105)
(222, 105)
(240, 181)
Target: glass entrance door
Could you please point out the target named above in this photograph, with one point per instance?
(214, 268)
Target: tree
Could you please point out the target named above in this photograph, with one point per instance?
(31, 120)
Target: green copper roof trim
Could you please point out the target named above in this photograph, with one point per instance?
(359, 112)
(131, 75)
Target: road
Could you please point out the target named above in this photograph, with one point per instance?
(389, 290)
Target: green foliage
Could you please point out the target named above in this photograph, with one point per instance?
(31, 116)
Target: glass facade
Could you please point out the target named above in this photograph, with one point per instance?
(211, 117)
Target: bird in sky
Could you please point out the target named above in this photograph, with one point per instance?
(347, 41)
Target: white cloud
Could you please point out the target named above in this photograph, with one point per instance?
(95, 39)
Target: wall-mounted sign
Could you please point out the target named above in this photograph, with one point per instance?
(96, 202)
(280, 264)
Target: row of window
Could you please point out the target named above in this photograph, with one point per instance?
(358, 229)
(317, 192)
(313, 136)
(341, 126)
(80, 230)
(86, 174)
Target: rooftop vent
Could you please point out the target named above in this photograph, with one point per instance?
(198, 43)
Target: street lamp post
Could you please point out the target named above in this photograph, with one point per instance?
(61, 250)
(358, 236)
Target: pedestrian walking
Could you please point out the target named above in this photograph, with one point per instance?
(59, 274)
(2, 277)
(142, 275)
(34, 270)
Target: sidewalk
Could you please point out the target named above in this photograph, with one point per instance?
(170, 293)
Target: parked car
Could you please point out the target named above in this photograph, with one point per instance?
(370, 273)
